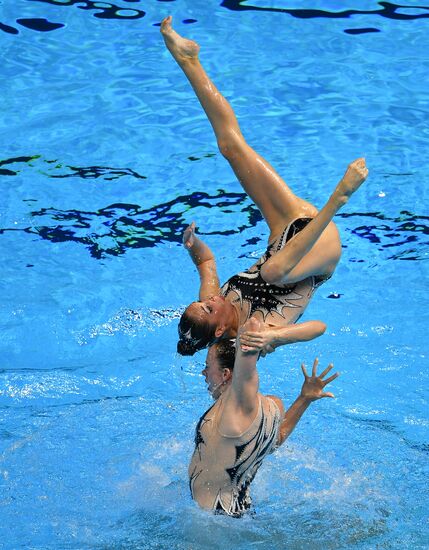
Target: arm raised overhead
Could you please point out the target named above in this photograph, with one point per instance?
(204, 260)
(241, 401)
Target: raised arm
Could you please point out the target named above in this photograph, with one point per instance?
(312, 390)
(270, 338)
(204, 261)
(241, 400)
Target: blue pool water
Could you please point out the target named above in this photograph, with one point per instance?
(106, 157)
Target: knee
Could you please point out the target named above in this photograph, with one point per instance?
(230, 146)
(271, 273)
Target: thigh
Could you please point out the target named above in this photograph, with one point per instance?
(277, 203)
(320, 260)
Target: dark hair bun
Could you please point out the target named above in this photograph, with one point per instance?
(185, 348)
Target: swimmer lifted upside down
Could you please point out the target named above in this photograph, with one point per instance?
(304, 245)
(243, 426)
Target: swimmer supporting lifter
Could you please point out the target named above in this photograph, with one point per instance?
(241, 418)
(299, 257)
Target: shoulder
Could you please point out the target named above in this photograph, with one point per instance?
(273, 404)
(209, 415)
(235, 420)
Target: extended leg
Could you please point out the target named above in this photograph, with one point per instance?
(317, 248)
(314, 247)
(266, 188)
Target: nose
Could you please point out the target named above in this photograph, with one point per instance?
(203, 372)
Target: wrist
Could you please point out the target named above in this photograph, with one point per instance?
(273, 339)
(304, 400)
(279, 337)
(339, 195)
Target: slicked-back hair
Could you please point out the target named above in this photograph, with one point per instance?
(225, 353)
(194, 334)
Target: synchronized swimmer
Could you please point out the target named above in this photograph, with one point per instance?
(259, 307)
(303, 247)
(243, 426)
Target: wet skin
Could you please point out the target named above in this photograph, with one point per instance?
(215, 376)
(216, 310)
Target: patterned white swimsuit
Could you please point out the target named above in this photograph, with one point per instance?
(222, 467)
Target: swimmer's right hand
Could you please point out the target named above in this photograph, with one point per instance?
(266, 350)
(189, 236)
(355, 175)
(255, 337)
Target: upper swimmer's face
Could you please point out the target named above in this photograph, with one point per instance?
(214, 311)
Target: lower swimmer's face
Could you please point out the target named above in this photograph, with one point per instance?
(213, 373)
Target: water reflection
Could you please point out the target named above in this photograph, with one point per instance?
(107, 10)
(119, 227)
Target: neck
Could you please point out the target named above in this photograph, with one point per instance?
(233, 322)
(218, 390)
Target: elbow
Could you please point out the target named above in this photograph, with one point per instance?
(320, 328)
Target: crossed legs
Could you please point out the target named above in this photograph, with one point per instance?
(317, 248)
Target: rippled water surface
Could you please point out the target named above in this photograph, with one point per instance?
(106, 157)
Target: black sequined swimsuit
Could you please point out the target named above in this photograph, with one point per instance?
(250, 287)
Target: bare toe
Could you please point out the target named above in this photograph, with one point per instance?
(179, 47)
(166, 24)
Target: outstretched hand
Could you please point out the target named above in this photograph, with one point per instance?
(188, 238)
(313, 386)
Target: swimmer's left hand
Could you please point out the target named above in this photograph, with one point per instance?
(313, 386)
(188, 238)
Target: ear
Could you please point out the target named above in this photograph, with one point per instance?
(227, 374)
(220, 330)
